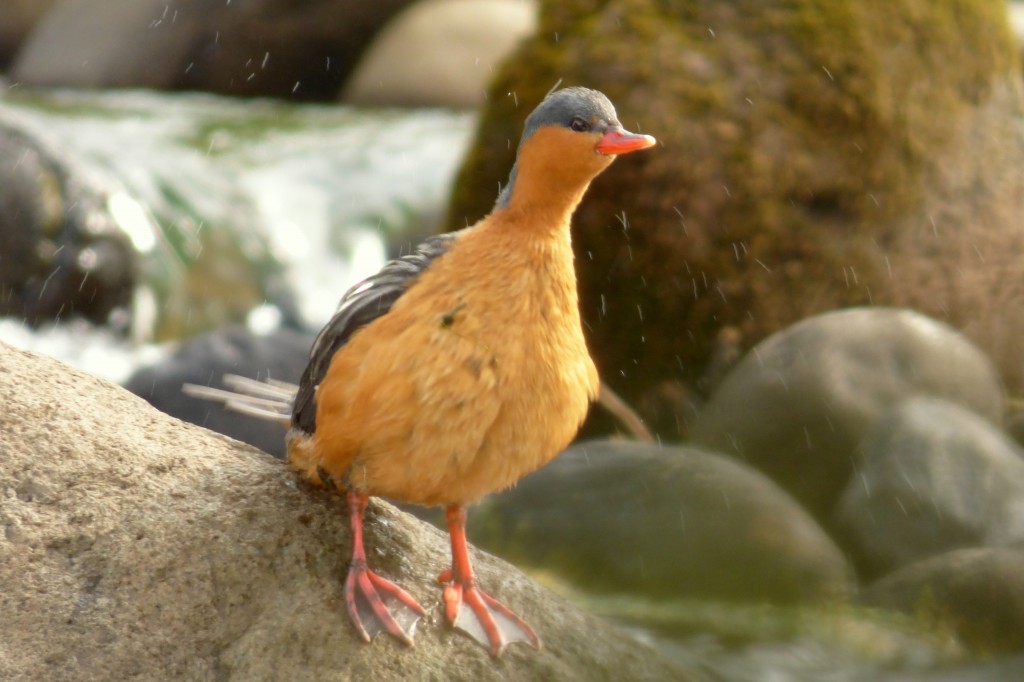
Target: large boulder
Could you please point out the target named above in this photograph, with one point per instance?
(439, 53)
(66, 249)
(279, 48)
(799, 403)
(663, 522)
(813, 155)
(136, 546)
(976, 593)
(931, 477)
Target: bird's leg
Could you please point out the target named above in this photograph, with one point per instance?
(375, 605)
(467, 607)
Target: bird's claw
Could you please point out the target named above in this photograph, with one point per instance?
(377, 605)
(483, 617)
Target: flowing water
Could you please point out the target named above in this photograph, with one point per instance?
(237, 206)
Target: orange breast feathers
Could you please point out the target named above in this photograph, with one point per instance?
(478, 375)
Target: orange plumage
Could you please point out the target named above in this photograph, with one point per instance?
(479, 373)
(460, 367)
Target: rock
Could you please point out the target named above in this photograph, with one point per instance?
(439, 53)
(1017, 22)
(204, 359)
(1002, 669)
(1015, 422)
(932, 477)
(17, 19)
(977, 592)
(65, 248)
(276, 48)
(793, 176)
(798, 404)
(641, 519)
(135, 545)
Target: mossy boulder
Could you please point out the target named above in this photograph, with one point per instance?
(813, 155)
(663, 522)
(976, 593)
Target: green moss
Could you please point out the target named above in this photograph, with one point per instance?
(864, 634)
(795, 136)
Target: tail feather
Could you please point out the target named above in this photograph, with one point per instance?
(271, 400)
(268, 388)
(269, 413)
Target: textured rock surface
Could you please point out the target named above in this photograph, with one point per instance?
(135, 546)
(933, 477)
(800, 402)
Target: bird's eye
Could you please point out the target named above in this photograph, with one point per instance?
(580, 124)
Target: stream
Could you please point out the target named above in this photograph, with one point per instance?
(253, 210)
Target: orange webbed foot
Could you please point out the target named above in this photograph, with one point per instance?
(467, 607)
(482, 617)
(374, 604)
(377, 605)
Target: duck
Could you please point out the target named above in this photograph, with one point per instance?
(457, 369)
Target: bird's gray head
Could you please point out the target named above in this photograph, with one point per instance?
(580, 110)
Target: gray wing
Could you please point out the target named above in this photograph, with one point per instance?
(362, 304)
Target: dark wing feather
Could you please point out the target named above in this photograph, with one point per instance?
(361, 305)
